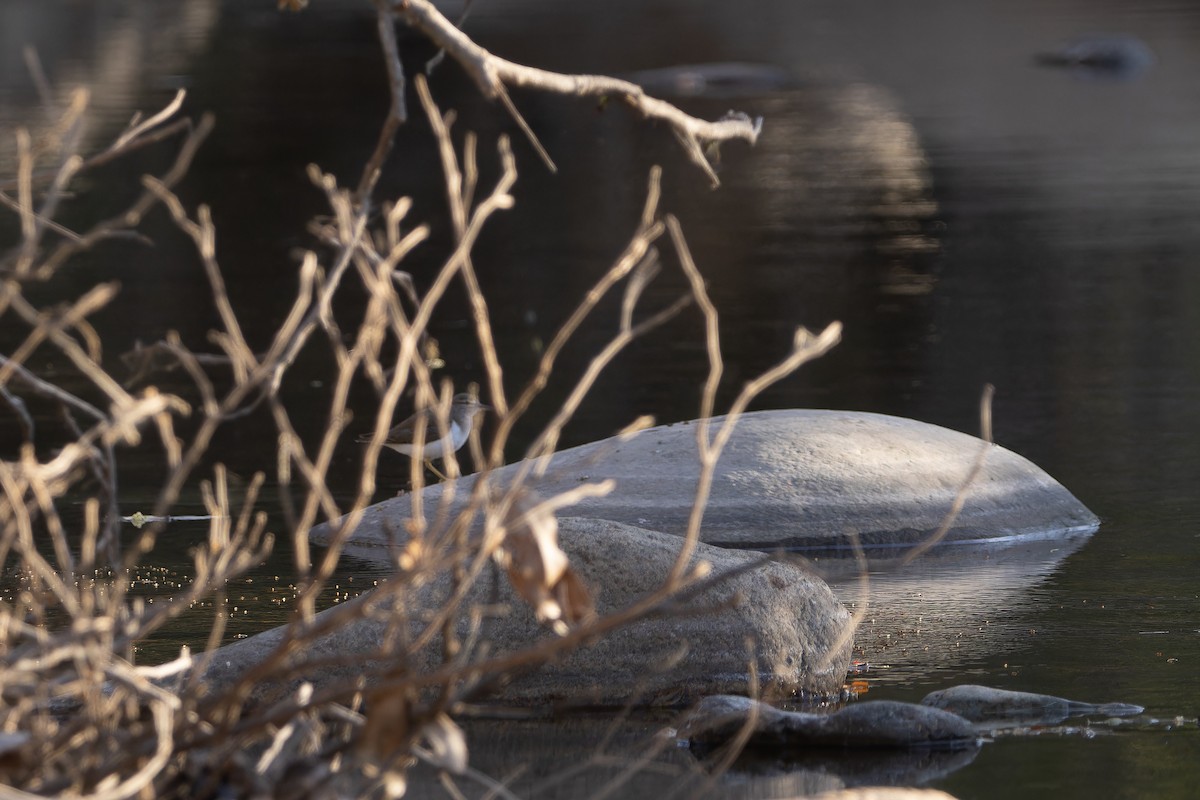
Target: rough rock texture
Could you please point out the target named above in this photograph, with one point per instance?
(985, 705)
(795, 478)
(791, 617)
(881, 723)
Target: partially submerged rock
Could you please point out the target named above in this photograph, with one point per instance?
(1114, 56)
(881, 723)
(799, 479)
(775, 615)
(983, 704)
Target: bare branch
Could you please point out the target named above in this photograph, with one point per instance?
(960, 498)
(71, 636)
(805, 348)
(492, 73)
(397, 111)
(137, 129)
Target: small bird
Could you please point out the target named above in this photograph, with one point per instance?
(463, 409)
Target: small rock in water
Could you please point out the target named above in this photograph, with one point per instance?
(1118, 57)
(985, 704)
(880, 723)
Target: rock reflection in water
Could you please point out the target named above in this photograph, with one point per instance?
(639, 756)
(803, 773)
(569, 758)
(585, 756)
(852, 154)
(114, 49)
(954, 608)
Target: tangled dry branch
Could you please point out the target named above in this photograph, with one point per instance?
(79, 714)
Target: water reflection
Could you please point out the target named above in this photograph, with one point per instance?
(711, 80)
(950, 610)
(259, 600)
(639, 757)
(115, 49)
(801, 773)
(839, 167)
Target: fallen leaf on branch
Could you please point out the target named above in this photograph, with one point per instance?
(537, 567)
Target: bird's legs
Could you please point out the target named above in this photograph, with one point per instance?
(429, 465)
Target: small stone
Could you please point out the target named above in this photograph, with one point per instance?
(983, 704)
(880, 723)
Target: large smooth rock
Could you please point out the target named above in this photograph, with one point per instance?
(796, 479)
(781, 618)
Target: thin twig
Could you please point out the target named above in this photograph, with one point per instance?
(964, 490)
(397, 109)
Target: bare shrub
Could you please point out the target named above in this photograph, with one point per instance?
(79, 715)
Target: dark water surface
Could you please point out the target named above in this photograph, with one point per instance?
(970, 216)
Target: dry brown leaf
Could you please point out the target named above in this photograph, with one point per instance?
(538, 569)
(574, 598)
(385, 731)
(385, 736)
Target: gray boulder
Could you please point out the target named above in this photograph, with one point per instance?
(801, 479)
(773, 614)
